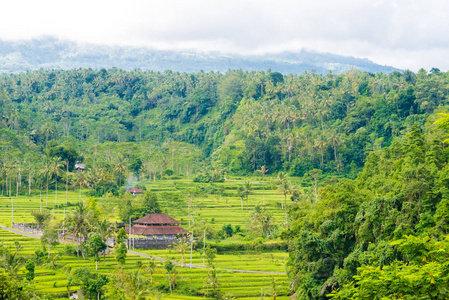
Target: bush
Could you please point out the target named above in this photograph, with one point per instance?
(70, 250)
(39, 257)
(227, 230)
(206, 178)
(141, 186)
(169, 172)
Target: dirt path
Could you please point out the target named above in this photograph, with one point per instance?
(149, 256)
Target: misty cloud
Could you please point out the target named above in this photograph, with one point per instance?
(402, 33)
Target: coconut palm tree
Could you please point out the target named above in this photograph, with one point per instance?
(80, 180)
(135, 284)
(151, 267)
(121, 164)
(104, 230)
(263, 170)
(181, 246)
(56, 168)
(285, 188)
(105, 177)
(78, 224)
(11, 261)
(45, 172)
(247, 190)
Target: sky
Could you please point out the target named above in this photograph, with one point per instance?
(405, 34)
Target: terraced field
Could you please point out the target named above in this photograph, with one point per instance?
(239, 285)
(216, 209)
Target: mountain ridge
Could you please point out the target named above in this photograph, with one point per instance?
(52, 53)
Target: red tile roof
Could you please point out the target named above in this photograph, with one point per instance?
(157, 230)
(134, 191)
(156, 219)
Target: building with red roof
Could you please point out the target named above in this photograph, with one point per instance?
(156, 227)
(134, 191)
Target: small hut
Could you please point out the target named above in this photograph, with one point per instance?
(79, 167)
(134, 191)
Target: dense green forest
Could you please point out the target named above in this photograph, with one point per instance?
(388, 227)
(366, 144)
(234, 122)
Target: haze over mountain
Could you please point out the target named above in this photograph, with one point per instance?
(52, 53)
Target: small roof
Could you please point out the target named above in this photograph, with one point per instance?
(79, 166)
(157, 230)
(134, 191)
(156, 219)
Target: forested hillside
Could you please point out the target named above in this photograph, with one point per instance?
(238, 121)
(388, 227)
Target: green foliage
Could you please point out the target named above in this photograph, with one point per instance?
(30, 266)
(96, 245)
(347, 233)
(49, 238)
(41, 217)
(422, 274)
(150, 204)
(66, 151)
(206, 178)
(11, 261)
(121, 236)
(121, 252)
(211, 253)
(92, 284)
(9, 287)
(227, 229)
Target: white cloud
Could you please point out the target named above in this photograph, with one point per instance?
(406, 34)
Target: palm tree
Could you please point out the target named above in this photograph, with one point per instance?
(135, 284)
(240, 193)
(46, 171)
(247, 190)
(263, 170)
(94, 177)
(103, 229)
(47, 129)
(261, 220)
(80, 180)
(78, 224)
(56, 168)
(120, 166)
(315, 174)
(181, 246)
(11, 262)
(151, 267)
(105, 177)
(285, 188)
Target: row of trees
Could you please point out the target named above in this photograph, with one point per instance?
(108, 167)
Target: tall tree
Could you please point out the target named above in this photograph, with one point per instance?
(263, 170)
(56, 168)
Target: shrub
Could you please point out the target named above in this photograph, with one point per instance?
(169, 172)
(70, 250)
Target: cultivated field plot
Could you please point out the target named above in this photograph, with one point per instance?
(221, 207)
(54, 281)
(245, 260)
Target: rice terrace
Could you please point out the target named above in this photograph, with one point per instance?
(224, 150)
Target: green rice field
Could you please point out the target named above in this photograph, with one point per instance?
(217, 209)
(238, 285)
